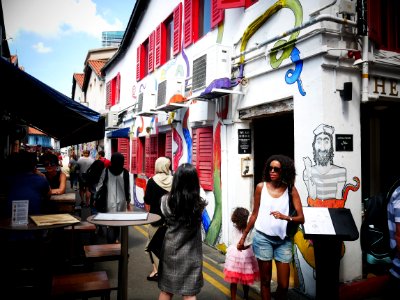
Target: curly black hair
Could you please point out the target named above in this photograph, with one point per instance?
(239, 218)
(288, 172)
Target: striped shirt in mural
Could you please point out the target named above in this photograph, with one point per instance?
(327, 183)
(393, 218)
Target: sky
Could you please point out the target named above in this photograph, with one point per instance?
(53, 37)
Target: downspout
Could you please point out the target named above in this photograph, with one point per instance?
(311, 22)
(362, 30)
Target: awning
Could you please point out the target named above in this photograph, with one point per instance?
(119, 133)
(38, 105)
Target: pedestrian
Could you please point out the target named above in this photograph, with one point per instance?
(393, 213)
(84, 162)
(73, 171)
(157, 186)
(101, 156)
(181, 260)
(55, 176)
(240, 265)
(116, 177)
(271, 202)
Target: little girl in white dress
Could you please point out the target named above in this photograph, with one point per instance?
(240, 266)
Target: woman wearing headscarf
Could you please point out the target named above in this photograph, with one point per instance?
(157, 186)
(116, 177)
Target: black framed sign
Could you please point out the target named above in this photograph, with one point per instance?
(244, 141)
(344, 142)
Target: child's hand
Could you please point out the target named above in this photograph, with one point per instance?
(240, 246)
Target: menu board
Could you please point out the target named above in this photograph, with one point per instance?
(20, 210)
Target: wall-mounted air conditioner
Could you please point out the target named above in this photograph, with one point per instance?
(146, 103)
(169, 88)
(211, 64)
(112, 119)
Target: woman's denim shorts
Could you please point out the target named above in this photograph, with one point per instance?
(267, 247)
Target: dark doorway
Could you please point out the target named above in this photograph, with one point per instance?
(272, 135)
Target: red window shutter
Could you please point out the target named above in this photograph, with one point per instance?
(147, 151)
(168, 144)
(222, 4)
(117, 88)
(217, 14)
(375, 21)
(123, 147)
(140, 56)
(150, 63)
(177, 16)
(134, 156)
(188, 23)
(151, 149)
(160, 45)
(108, 95)
(203, 156)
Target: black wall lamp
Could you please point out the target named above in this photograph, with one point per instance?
(346, 93)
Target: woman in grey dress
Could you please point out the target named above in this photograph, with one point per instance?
(180, 269)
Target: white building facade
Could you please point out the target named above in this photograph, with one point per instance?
(226, 84)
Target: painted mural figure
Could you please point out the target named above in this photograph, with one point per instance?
(325, 181)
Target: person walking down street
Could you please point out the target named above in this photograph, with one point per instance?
(157, 186)
(240, 266)
(55, 176)
(73, 171)
(271, 203)
(102, 157)
(116, 177)
(84, 162)
(393, 212)
(181, 260)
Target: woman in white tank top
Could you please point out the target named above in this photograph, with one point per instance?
(270, 218)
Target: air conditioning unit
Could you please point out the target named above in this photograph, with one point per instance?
(112, 119)
(146, 103)
(169, 88)
(211, 64)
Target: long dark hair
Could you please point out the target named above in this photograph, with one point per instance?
(117, 163)
(288, 171)
(184, 199)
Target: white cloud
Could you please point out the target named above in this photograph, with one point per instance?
(41, 48)
(54, 18)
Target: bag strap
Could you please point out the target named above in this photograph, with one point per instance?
(292, 210)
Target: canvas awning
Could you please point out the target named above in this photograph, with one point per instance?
(119, 133)
(38, 105)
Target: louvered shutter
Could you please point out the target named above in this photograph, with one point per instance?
(151, 154)
(249, 3)
(140, 64)
(160, 45)
(203, 156)
(150, 62)
(108, 95)
(374, 22)
(217, 14)
(134, 164)
(123, 148)
(188, 23)
(177, 16)
(118, 89)
(222, 4)
(168, 144)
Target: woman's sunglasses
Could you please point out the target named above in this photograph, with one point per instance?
(49, 164)
(275, 169)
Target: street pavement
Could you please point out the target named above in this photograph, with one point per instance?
(139, 288)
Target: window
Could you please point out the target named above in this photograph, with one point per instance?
(168, 37)
(134, 166)
(113, 91)
(384, 24)
(200, 16)
(141, 60)
(235, 3)
(202, 156)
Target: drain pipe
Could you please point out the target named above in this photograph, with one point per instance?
(362, 30)
(311, 22)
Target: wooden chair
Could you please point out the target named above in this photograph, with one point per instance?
(83, 285)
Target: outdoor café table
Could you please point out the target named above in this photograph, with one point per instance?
(123, 224)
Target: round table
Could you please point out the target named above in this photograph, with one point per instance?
(123, 262)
